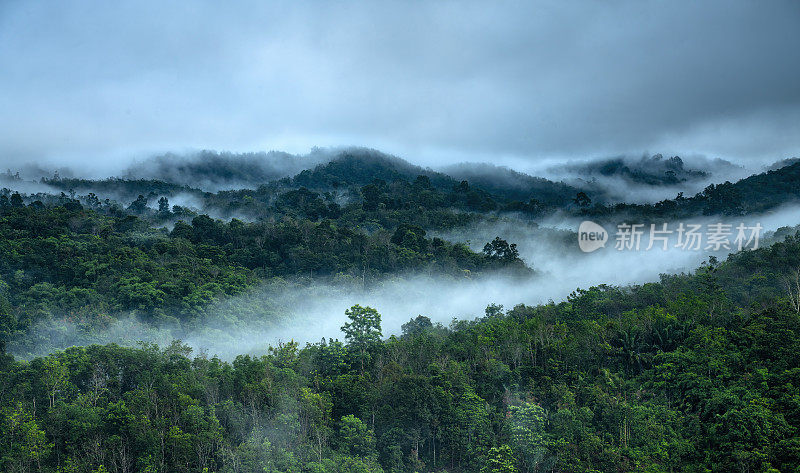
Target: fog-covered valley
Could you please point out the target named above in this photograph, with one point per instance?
(399, 237)
(306, 308)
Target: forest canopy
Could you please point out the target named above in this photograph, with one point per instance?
(695, 372)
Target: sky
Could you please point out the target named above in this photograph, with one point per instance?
(96, 84)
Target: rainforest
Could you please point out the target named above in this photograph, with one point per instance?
(121, 323)
(399, 236)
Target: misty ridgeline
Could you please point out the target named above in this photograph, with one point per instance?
(349, 311)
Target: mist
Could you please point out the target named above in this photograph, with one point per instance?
(214, 171)
(307, 310)
(18, 184)
(143, 90)
(646, 178)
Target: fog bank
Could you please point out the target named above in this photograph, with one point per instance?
(306, 311)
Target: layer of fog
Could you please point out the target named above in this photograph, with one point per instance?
(646, 179)
(15, 183)
(626, 178)
(307, 311)
(214, 171)
(196, 205)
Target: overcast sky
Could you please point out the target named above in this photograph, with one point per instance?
(433, 82)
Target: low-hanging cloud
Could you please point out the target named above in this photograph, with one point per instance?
(432, 81)
(306, 311)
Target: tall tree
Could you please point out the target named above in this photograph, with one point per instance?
(363, 332)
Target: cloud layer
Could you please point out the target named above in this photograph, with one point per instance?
(434, 82)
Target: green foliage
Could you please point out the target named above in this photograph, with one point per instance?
(24, 443)
(501, 250)
(752, 195)
(698, 372)
(84, 267)
(363, 332)
(364, 328)
(355, 438)
(500, 460)
(529, 436)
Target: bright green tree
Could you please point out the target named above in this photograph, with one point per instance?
(363, 332)
(528, 435)
(499, 460)
(355, 437)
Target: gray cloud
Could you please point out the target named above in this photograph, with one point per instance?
(433, 82)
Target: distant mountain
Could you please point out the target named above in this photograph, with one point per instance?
(361, 166)
(782, 163)
(213, 171)
(767, 190)
(653, 170)
(395, 184)
(500, 180)
(755, 194)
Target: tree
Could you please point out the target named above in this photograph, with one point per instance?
(501, 250)
(410, 236)
(315, 418)
(500, 460)
(163, 205)
(7, 320)
(16, 200)
(54, 377)
(423, 182)
(582, 200)
(372, 197)
(363, 331)
(92, 200)
(355, 437)
(416, 326)
(23, 442)
(139, 205)
(528, 435)
(493, 311)
(792, 283)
